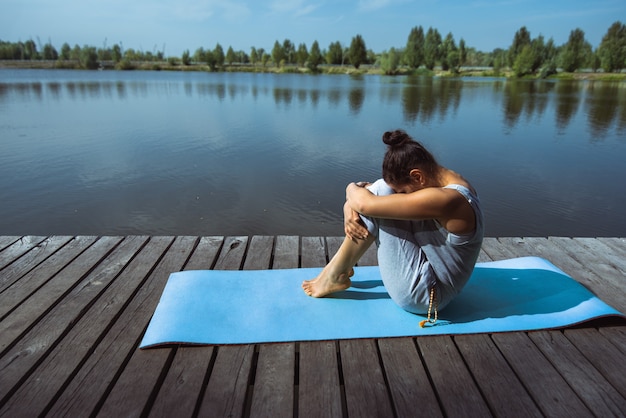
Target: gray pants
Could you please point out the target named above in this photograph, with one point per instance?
(404, 268)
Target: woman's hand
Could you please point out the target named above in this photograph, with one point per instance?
(353, 224)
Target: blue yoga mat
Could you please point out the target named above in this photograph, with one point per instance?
(258, 306)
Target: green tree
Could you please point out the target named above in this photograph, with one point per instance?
(278, 53)
(334, 55)
(432, 48)
(520, 40)
(230, 55)
(89, 57)
(186, 57)
(49, 52)
(448, 46)
(75, 53)
(218, 55)
(414, 51)
(30, 50)
(265, 59)
(550, 59)
(538, 48)
(454, 61)
(357, 52)
(289, 51)
(315, 57)
(499, 57)
(462, 52)
(200, 55)
(524, 62)
(575, 52)
(116, 53)
(302, 55)
(65, 52)
(612, 49)
(253, 56)
(211, 61)
(389, 61)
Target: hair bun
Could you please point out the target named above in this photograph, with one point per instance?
(396, 138)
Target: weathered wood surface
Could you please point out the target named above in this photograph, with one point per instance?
(73, 311)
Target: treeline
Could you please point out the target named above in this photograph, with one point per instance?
(423, 49)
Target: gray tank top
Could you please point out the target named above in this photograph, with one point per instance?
(451, 256)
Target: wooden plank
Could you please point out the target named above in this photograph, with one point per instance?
(185, 363)
(497, 381)
(273, 390)
(313, 252)
(496, 250)
(455, 387)
(63, 357)
(181, 388)
(603, 249)
(273, 394)
(30, 311)
(617, 336)
(259, 254)
(411, 391)
(319, 388)
(129, 394)
(618, 244)
(205, 254)
(605, 356)
(364, 381)
(18, 249)
(597, 393)
(31, 259)
(91, 381)
(286, 252)
(225, 395)
(550, 391)
(18, 291)
(319, 391)
(183, 385)
(7, 240)
(232, 254)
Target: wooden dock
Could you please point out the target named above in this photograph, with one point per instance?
(73, 311)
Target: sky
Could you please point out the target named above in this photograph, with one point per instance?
(172, 26)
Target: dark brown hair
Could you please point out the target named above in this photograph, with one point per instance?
(404, 154)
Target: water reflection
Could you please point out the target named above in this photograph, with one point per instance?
(605, 106)
(525, 97)
(422, 98)
(567, 103)
(177, 153)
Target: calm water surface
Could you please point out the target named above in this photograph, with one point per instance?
(246, 154)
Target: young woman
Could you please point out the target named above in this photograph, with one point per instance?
(426, 221)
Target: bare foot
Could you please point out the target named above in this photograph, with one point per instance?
(325, 284)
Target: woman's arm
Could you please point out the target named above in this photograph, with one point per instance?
(428, 203)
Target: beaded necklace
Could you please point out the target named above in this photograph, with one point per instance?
(433, 297)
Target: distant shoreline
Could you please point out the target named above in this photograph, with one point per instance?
(323, 69)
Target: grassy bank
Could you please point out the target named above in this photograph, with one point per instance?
(322, 69)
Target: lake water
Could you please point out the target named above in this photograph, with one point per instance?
(244, 154)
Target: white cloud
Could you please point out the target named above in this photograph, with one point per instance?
(370, 5)
(294, 7)
(205, 9)
(373, 5)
